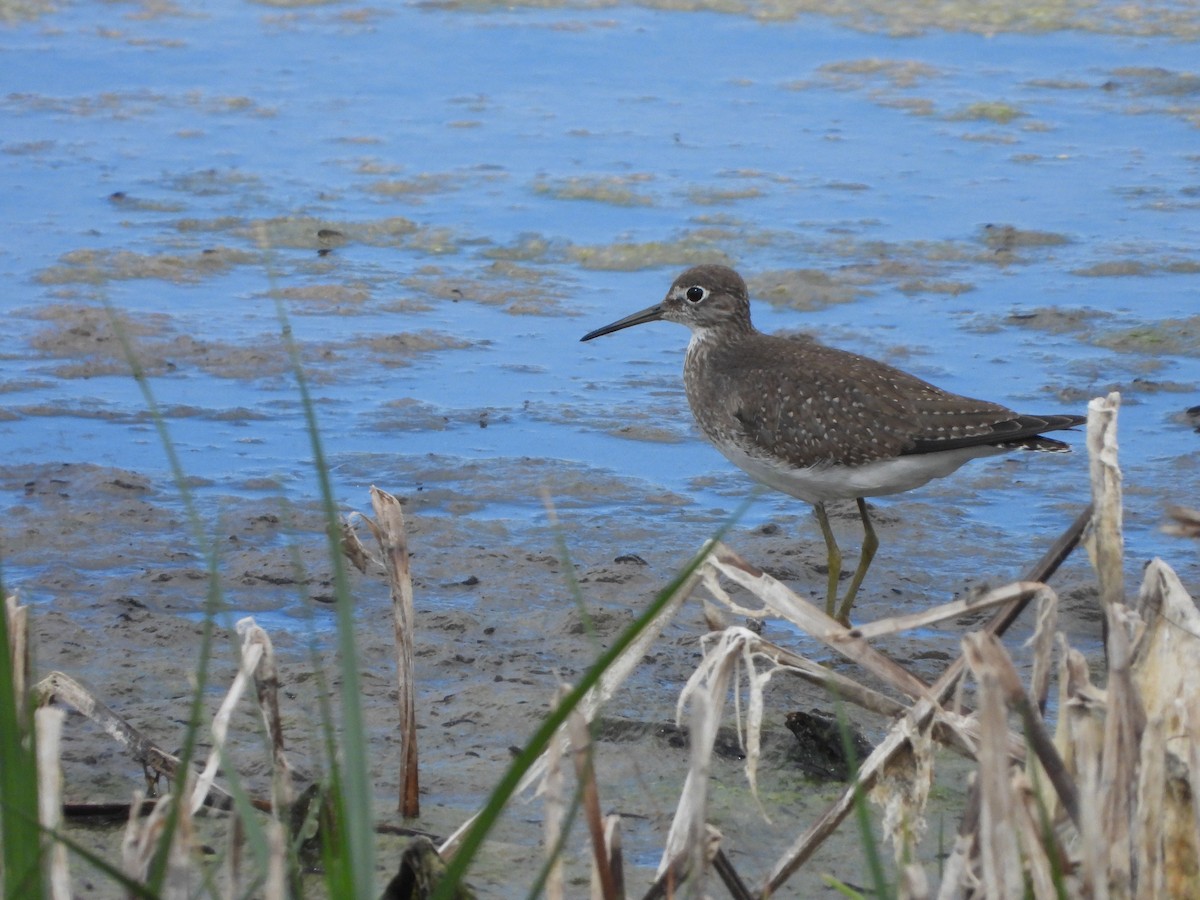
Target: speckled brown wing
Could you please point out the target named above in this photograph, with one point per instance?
(808, 404)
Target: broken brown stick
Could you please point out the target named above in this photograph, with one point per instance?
(388, 529)
(60, 687)
(583, 758)
(984, 651)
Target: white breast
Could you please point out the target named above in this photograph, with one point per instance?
(819, 483)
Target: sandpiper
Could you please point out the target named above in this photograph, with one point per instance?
(824, 424)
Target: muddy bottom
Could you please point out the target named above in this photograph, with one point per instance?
(105, 559)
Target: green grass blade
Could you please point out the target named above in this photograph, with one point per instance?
(21, 847)
(351, 788)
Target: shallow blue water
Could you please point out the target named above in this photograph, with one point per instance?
(501, 109)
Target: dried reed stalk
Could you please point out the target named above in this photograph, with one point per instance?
(48, 724)
(1105, 543)
(142, 840)
(1165, 672)
(388, 528)
(913, 729)
(252, 653)
(266, 686)
(554, 815)
(612, 847)
(18, 650)
(605, 881)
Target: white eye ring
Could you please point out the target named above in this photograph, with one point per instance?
(695, 293)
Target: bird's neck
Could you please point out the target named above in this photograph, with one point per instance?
(703, 339)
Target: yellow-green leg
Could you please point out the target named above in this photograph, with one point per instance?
(834, 558)
(869, 546)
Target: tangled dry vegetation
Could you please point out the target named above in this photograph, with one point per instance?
(1101, 803)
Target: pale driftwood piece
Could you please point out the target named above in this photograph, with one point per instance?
(60, 687)
(251, 654)
(927, 618)
(1042, 642)
(266, 685)
(1148, 823)
(922, 713)
(913, 883)
(18, 650)
(839, 685)
(1192, 736)
(1081, 737)
(1000, 861)
(1115, 785)
(48, 723)
(1105, 543)
(800, 612)
(1165, 670)
(988, 654)
(1028, 822)
(686, 837)
(393, 544)
(777, 597)
(691, 838)
(276, 887)
(958, 880)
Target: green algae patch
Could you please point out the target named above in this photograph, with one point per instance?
(803, 289)
(707, 196)
(934, 286)
(336, 299)
(1057, 319)
(528, 247)
(1123, 268)
(989, 111)
(100, 266)
(612, 189)
(514, 288)
(1179, 21)
(1008, 238)
(631, 257)
(417, 187)
(311, 233)
(1159, 81)
(402, 348)
(125, 201)
(899, 73)
(81, 341)
(1174, 337)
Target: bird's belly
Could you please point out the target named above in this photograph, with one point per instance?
(822, 482)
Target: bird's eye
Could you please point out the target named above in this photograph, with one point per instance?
(696, 294)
